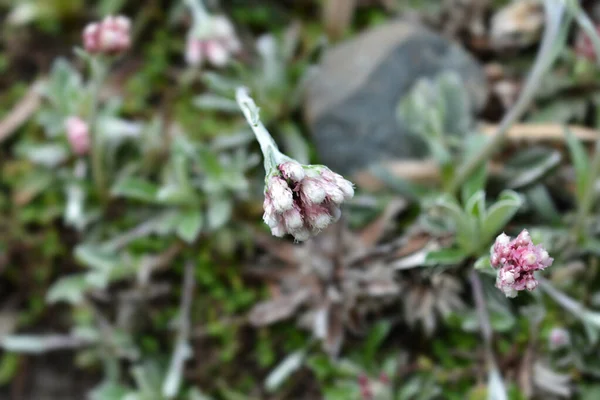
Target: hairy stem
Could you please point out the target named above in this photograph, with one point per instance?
(182, 350)
(98, 73)
(268, 146)
(554, 35)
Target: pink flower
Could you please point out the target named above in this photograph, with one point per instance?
(583, 45)
(78, 135)
(303, 200)
(109, 36)
(216, 42)
(559, 338)
(292, 170)
(516, 261)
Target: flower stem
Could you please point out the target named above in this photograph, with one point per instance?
(485, 325)
(199, 13)
(586, 202)
(98, 73)
(268, 146)
(554, 36)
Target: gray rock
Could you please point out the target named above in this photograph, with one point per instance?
(351, 101)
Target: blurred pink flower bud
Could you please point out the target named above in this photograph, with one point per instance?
(193, 52)
(109, 36)
(214, 41)
(78, 135)
(517, 260)
(216, 53)
(559, 338)
(583, 45)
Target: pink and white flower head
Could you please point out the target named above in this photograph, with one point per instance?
(214, 41)
(559, 338)
(110, 36)
(516, 261)
(302, 200)
(78, 135)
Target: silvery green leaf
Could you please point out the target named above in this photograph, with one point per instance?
(37, 344)
(70, 289)
(466, 225)
(74, 215)
(148, 379)
(108, 391)
(219, 83)
(64, 89)
(94, 257)
(219, 212)
(287, 367)
(500, 213)
(445, 257)
(174, 195)
(484, 265)
(216, 103)
(135, 188)
(496, 388)
(541, 202)
(24, 13)
(190, 225)
(47, 155)
(173, 380)
(580, 161)
(398, 185)
(196, 394)
(455, 98)
(475, 205)
(116, 130)
(550, 381)
(232, 141)
(535, 171)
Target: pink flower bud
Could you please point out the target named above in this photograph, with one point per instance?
(559, 338)
(517, 260)
(278, 230)
(109, 36)
(193, 51)
(78, 135)
(384, 378)
(215, 40)
(216, 53)
(270, 217)
(280, 194)
(301, 234)
(292, 170)
(317, 216)
(293, 219)
(313, 191)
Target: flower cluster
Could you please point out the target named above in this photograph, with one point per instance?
(517, 260)
(78, 135)
(216, 41)
(303, 199)
(374, 388)
(109, 36)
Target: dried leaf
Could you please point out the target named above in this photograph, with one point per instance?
(271, 311)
